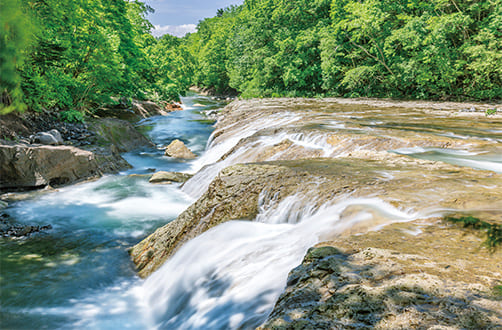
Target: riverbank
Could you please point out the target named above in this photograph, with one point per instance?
(338, 172)
(38, 149)
(40, 152)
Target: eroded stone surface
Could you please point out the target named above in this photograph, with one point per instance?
(420, 274)
(391, 279)
(28, 166)
(167, 177)
(234, 194)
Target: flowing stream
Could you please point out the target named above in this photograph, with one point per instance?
(78, 274)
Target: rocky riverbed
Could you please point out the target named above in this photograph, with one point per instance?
(39, 151)
(304, 213)
(389, 173)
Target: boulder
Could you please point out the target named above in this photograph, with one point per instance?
(27, 166)
(168, 177)
(177, 149)
(52, 137)
(120, 135)
(55, 133)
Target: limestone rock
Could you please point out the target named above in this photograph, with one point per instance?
(25, 166)
(235, 192)
(233, 195)
(168, 177)
(178, 149)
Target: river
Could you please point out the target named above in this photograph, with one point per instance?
(79, 273)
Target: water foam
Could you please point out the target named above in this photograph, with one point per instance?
(476, 160)
(231, 276)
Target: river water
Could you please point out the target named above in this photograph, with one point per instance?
(79, 275)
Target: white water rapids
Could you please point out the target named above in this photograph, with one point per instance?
(230, 276)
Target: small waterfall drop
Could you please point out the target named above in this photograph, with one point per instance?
(230, 276)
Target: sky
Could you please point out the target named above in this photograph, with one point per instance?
(178, 17)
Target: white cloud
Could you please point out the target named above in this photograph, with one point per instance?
(175, 30)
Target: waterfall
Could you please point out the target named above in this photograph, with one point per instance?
(231, 276)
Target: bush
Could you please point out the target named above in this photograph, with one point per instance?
(72, 116)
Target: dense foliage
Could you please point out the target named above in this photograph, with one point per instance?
(76, 55)
(437, 49)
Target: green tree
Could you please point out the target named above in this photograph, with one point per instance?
(172, 66)
(15, 36)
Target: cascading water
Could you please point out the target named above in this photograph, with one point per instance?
(78, 275)
(231, 276)
(208, 166)
(478, 160)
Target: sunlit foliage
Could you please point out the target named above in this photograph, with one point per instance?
(439, 49)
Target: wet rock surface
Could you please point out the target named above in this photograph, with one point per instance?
(237, 191)
(177, 149)
(375, 269)
(168, 177)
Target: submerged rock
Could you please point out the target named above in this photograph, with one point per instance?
(10, 229)
(177, 149)
(168, 177)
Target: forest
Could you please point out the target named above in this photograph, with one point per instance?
(76, 56)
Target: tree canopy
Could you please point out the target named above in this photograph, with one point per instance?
(76, 55)
(434, 49)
